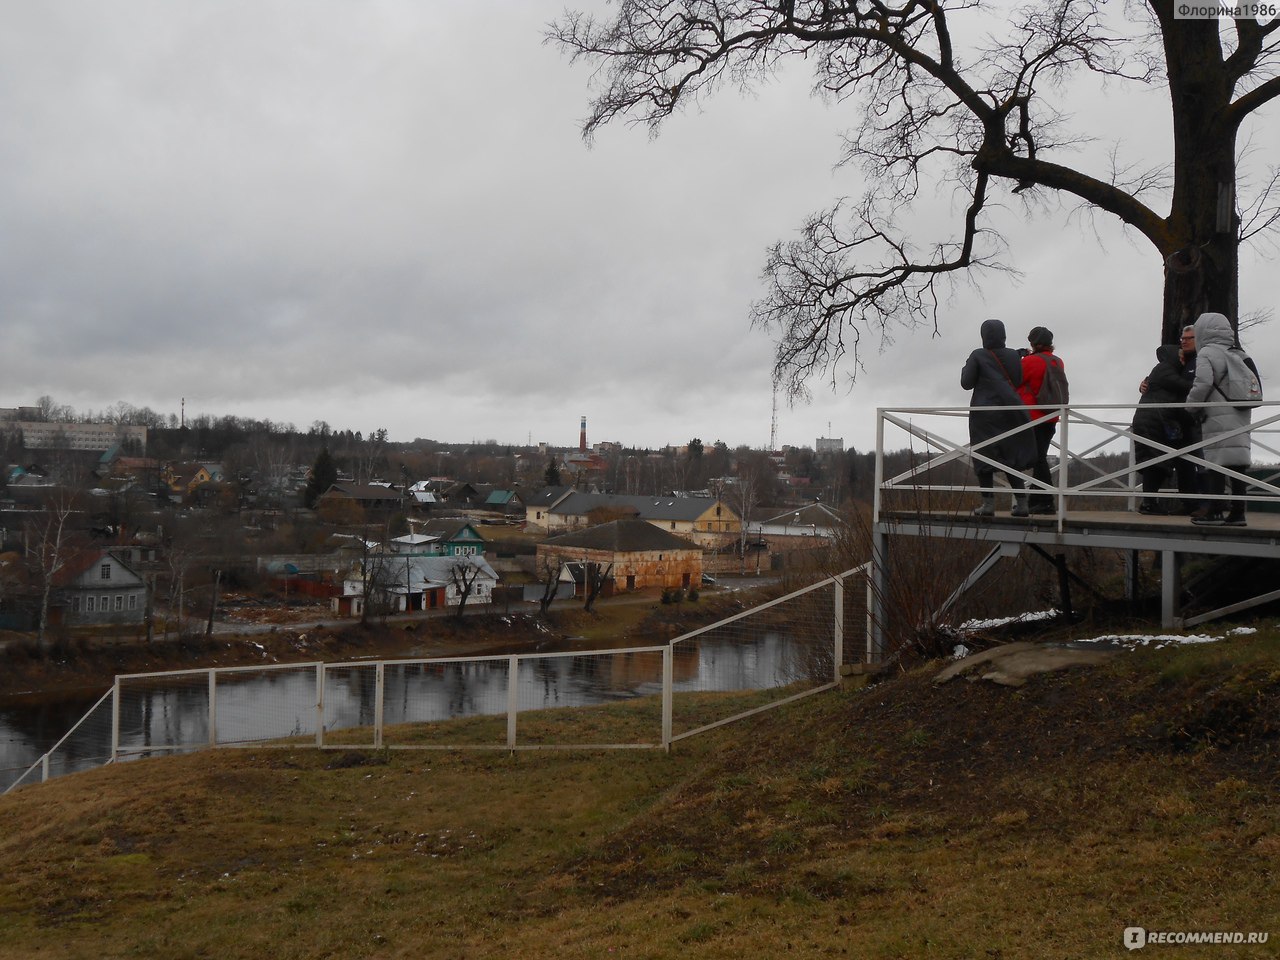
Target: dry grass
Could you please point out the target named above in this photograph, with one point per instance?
(907, 820)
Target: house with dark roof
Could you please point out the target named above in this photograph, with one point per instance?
(374, 497)
(812, 522)
(706, 521)
(98, 587)
(641, 554)
(401, 583)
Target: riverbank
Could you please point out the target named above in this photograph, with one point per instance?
(914, 818)
(87, 665)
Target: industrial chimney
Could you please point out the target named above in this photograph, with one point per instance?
(582, 437)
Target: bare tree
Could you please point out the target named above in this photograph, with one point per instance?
(549, 568)
(370, 456)
(940, 98)
(463, 575)
(593, 580)
(50, 548)
(375, 579)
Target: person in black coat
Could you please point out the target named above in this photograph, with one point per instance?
(994, 373)
(1166, 383)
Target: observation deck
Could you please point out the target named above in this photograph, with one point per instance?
(926, 487)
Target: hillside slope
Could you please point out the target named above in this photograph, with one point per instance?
(908, 819)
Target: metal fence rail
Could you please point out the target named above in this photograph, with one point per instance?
(937, 438)
(633, 698)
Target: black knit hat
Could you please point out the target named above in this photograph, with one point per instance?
(1040, 337)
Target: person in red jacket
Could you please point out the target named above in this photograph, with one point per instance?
(1045, 421)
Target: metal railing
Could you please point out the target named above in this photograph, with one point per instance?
(1096, 463)
(641, 697)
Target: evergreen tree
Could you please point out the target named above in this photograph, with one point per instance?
(552, 476)
(324, 473)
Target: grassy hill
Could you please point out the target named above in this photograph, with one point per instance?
(908, 819)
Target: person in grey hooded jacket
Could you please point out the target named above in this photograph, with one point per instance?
(1214, 336)
(993, 373)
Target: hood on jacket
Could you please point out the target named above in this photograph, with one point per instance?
(993, 334)
(1169, 353)
(1214, 329)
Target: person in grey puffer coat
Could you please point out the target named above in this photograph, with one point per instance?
(1214, 337)
(993, 373)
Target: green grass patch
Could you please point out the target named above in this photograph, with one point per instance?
(904, 820)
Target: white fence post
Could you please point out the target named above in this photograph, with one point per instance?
(319, 704)
(379, 688)
(668, 679)
(513, 699)
(838, 639)
(213, 707)
(115, 720)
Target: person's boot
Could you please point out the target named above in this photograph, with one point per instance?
(988, 506)
(1019, 505)
(1151, 507)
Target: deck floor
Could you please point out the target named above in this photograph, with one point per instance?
(1119, 529)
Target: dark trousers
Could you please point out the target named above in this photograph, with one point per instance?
(987, 479)
(1043, 432)
(1217, 484)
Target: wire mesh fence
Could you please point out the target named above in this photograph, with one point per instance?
(769, 655)
(638, 697)
(85, 746)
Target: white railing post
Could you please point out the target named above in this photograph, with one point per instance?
(379, 692)
(838, 627)
(44, 769)
(668, 680)
(513, 699)
(1064, 467)
(213, 707)
(319, 704)
(875, 495)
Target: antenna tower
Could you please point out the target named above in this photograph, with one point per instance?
(773, 429)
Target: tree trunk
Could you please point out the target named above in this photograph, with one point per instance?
(1202, 244)
(213, 603)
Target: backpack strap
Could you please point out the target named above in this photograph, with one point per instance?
(1003, 369)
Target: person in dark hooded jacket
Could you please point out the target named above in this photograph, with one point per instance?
(1173, 427)
(993, 373)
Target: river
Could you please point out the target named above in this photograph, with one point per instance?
(270, 704)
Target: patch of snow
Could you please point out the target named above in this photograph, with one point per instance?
(1156, 642)
(1003, 621)
(960, 652)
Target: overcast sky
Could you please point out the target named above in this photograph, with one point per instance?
(381, 214)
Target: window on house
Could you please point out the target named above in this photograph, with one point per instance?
(104, 603)
(133, 601)
(119, 601)
(104, 571)
(75, 604)
(88, 604)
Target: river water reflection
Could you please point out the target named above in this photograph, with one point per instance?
(269, 704)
